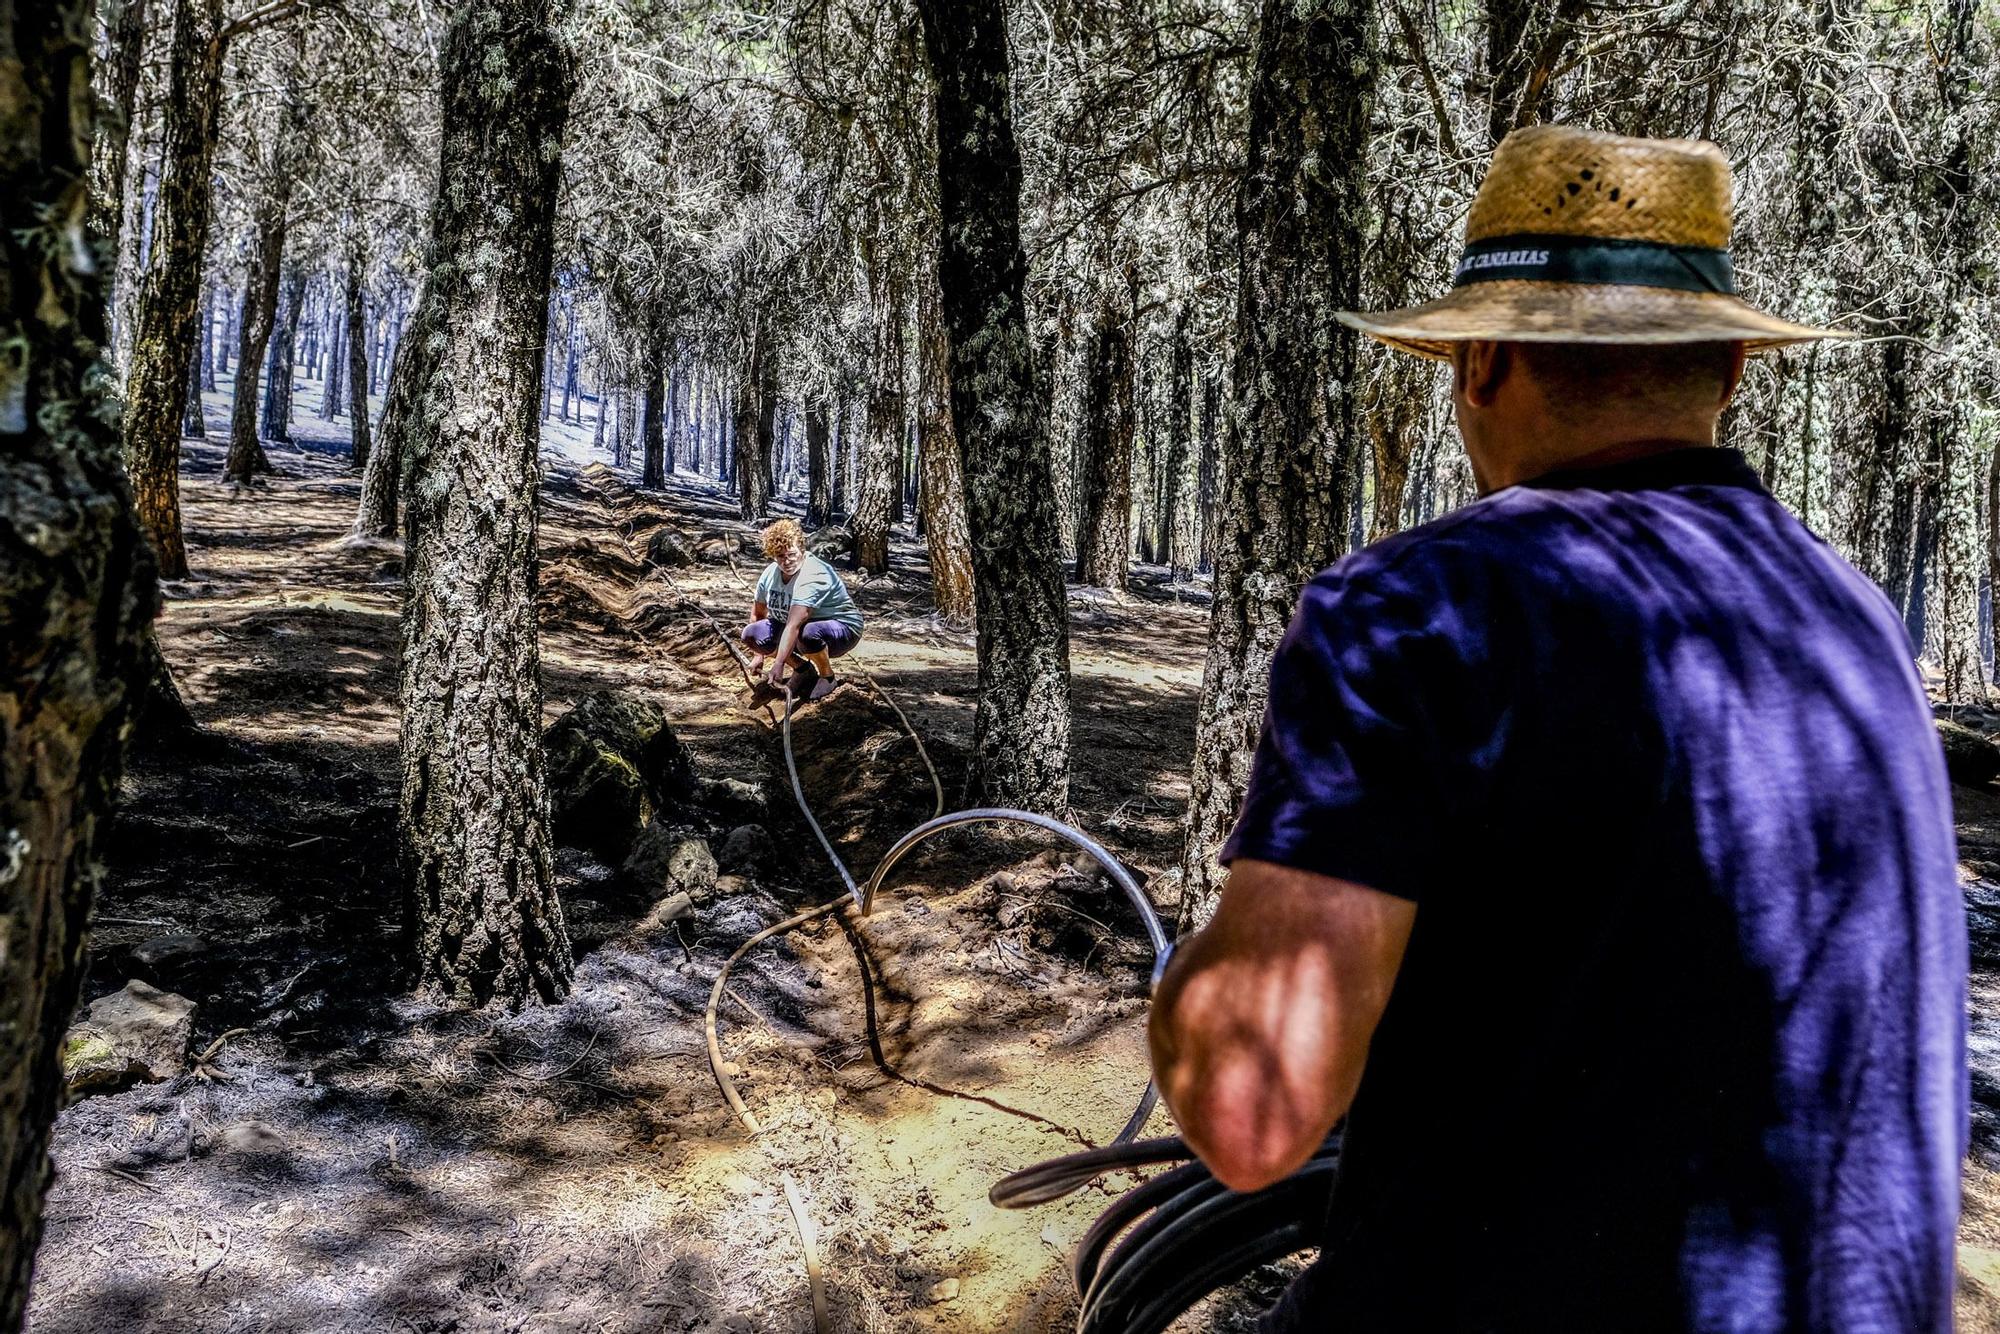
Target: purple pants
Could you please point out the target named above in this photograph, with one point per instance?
(833, 638)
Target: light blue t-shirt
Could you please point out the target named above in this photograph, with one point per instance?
(815, 586)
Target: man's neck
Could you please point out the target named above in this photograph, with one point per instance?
(1583, 450)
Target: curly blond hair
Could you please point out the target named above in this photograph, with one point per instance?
(782, 536)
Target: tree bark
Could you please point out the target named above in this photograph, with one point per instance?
(76, 594)
(1525, 43)
(474, 818)
(676, 384)
(194, 415)
(942, 493)
(260, 302)
(415, 362)
(163, 345)
(1289, 461)
(1021, 728)
(357, 364)
(280, 364)
(1176, 519)
(572, 360)
(1104, 520)
(843, 444)
(126, 46)
(333, 385)
(875, 480)
(1208, 471)
(1393, 422)
(819, 467)
(749, 471)
(651, 430)
(766, 437)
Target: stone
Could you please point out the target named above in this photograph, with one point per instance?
(666, 547)
(944, 1290)
(734, 799)
(166, 951)
(139, 1033)
(253, 1139)
(666, 912)
(1970, 757)
(746, 848)
(834, 540)
(672, 860)
(615, 766)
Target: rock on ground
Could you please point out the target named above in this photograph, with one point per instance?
(615, 766)
(672, 861)
(831, 541)
(746, 848)
(1969, 757)
(138, 1033)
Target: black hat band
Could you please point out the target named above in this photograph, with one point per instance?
(1598, 261)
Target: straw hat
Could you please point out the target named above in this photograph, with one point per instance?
(1577, 236)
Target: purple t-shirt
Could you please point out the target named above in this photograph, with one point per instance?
(1679, 1040)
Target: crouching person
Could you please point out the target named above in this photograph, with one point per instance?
(802, 609)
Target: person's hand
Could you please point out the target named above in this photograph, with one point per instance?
(776, 675)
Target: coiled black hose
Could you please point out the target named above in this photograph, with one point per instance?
(1179, 1236)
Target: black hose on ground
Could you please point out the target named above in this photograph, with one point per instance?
(1179, 1236)
(864, 897)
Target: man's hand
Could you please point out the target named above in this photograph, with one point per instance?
(776, 675)
(1261, 1026)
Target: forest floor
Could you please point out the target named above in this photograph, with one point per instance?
(361, 1161)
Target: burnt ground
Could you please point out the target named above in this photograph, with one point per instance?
(362, 1161)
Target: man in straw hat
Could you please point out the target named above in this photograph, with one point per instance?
(1597, 860)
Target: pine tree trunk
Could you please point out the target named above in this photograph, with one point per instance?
(1020, 736)
(1293, 437)
(1104, 521)
(839, 465)
(750, 472)
(125, 28)
(1208, 471)
(475, 819)
(765, 471)
(227, 309)
(942, 493)
(194, 415)
(281, 364)
(676, 385)
(1950, 192)
(819, 469)
(333, 387)
(653, 471)
(409, 373)
(164, 337)
(207, 360)
(1394, 422)
(260, 299)
(76, 593)
(621, 431)
(1177, 522)
(571, 357)
(357, 365)
(876, 480)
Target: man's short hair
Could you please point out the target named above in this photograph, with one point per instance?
(1573, 376)
(782, 536)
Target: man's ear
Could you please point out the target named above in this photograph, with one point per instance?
(1739, 354)
(1480, 368)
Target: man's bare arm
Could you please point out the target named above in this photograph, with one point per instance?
(794, 622)
(1261, 1026)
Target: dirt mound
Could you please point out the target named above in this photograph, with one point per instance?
(862, 773)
